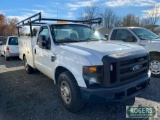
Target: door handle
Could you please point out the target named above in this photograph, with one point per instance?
(35, 51)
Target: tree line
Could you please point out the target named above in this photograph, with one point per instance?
(110, 19)
(7, 26)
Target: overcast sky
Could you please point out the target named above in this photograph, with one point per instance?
(70, 9)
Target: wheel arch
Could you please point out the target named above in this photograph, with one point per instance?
(154, 53)
(154, 61)
(23, 56)
(58, 71)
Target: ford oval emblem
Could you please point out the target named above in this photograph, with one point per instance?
(137, 67)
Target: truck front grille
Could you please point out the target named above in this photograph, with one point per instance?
(125, 70)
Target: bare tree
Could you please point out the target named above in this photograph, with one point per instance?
(117, 22)
(131, 20)
(89, 13)
(109, 18)
(153, 15)
(152, 18)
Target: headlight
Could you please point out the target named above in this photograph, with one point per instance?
(93, 76)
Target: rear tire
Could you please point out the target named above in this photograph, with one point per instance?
(155, 66)
(0, 54)
(7, 58)
(27, 67)
(70, 92)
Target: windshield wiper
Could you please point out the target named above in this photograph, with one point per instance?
(103, 39)
(67, 40)
(157, 37)
(91, 39)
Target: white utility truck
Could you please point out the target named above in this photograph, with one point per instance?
(85, 68)
(142, 37)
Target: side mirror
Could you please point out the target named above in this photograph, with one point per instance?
(42, 41)
(106, 36)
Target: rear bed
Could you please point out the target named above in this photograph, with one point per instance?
(26, 49)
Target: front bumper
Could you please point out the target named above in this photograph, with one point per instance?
(120, 93)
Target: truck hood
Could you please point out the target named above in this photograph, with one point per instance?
(153, 45)
(156, 40)
(96, 50)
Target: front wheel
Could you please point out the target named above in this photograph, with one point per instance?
(27, 67)
(129, 102)
(155, 66)
(70, 92)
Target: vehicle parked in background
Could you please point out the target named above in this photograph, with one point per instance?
(143, 37)
(1, 38)
(9, 47)
(84, 66)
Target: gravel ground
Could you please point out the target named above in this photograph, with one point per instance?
(35, 97)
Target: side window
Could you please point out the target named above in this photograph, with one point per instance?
(113, 34)
(124, 35)
(44, 31)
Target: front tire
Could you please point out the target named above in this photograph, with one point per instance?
(130, 101)
(70, 92)
(155, 66)
(27, 67)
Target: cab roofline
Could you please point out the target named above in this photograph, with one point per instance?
(127, 27)
(69, 24)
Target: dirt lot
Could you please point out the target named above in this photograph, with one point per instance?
(35, 97)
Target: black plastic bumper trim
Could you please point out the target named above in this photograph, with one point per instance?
(102, 95)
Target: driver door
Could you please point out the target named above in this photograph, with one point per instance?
(44, 53)
(38, 50)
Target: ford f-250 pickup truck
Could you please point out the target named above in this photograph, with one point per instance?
(142, 37)
(85, 68)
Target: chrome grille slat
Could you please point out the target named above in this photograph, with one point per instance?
(126, 71)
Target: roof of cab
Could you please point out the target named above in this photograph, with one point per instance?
(65, 24)
(127, 27)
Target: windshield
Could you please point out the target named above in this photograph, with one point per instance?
(74, 33)
(144, 34)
